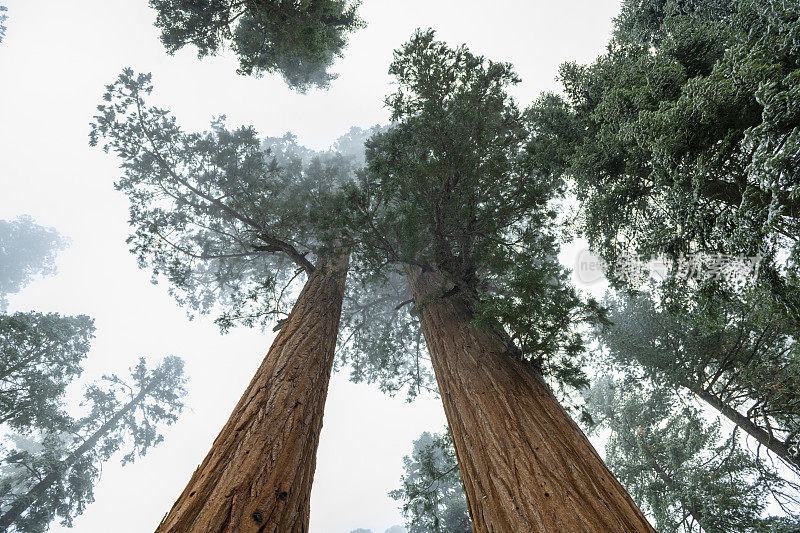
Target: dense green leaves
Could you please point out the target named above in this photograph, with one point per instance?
(454, 186)
(432, 495)
(674, 463)
(40, 354)
(26, 250)
(298, 38)
(689, 135)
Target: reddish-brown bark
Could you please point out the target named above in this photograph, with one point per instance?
(258, 475)
(526, 466)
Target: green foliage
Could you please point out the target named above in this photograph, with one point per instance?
(735, 353)
(40, 354)
(381, 339)
(26, 250)
(298, 38)
(684, 136)
(51, 474)
(453, 186)
(155, 397)
(228, 219)
(432, 495)
(49, 461)
(3, 18)
(31, 458)
(232, 223)
(674, 463)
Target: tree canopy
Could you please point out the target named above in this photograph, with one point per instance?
(452, 185)
(298, 38)
(683, 137)
(234, 222)
(40, 354)
(26, 250)
(226, 218)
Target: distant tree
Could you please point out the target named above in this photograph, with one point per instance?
(231, 222)
(40, 354)
(396, 529)
(432, 494)
(735, 355)
(26, 250)
(675, 464)
(3, 18)
(298, 38)
(56, 480)
(361, 530)
(29, 459)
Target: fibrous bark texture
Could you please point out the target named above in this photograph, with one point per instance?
(526, 466)
(258, 475)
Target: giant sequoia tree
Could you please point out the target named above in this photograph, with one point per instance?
(451, 197)
(231, 224)
(298, 38)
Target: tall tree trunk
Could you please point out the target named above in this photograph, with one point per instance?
(762, 436)
(257, 476)
(37, 491)
(526, 466)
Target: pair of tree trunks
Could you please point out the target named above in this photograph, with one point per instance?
(525, 464)
(258, 475)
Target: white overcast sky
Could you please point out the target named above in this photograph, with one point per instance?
(54, 62)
